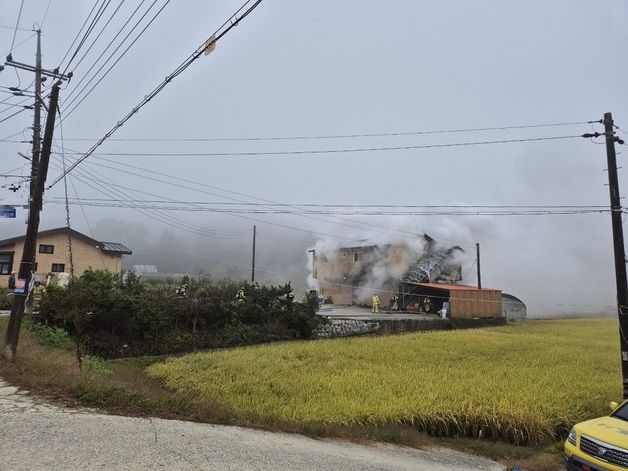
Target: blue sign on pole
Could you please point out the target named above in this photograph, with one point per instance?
(7, 212)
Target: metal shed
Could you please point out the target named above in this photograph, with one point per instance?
(461, 301)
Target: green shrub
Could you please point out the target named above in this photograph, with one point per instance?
(6, 299)
(49, 336)
(115, 316)
(96, 365)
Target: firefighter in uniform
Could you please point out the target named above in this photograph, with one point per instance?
(375, 306)
(394, 303)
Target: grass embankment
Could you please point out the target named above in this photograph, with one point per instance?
(522, 383)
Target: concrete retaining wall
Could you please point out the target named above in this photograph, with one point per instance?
(334, 328)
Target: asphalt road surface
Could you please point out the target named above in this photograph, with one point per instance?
(40, 436)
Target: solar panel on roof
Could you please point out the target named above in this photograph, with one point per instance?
(114, 247)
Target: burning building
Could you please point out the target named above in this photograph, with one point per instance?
(422, 273)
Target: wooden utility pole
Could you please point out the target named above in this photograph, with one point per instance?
(477, 248)
(27, 269)
(618, 245)
(253, 261)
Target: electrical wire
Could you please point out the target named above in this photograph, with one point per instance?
(111, 43)
(336, 220)
(88, 31)
(12, 115)
(17, 25)
(343, 206)
(352, 225)
(41, 23)
(19, 44)
(125, 192)
(336, 136)
(474, 212)
(231, 22)
(79, 32)
(105, 188)
(99, 34)
(67, 206)
(111, 185)
(324, 151)
(72, 101)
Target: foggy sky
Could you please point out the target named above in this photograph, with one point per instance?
(296, 68)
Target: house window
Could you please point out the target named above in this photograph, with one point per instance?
(43, 248)
(6, 263)
(357, 256)
(322, 259)
(58, 267)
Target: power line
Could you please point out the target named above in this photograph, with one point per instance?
(171, 206)
(13, 27)
(99, 34)
(14, 114)
(109, 187)
(41, 23)
(111, 43)
(88, 31)
(20, 43)
(114, 188)
(106, 188)
(17, 24)
(73, 100)
(319, 151)
(353, 224)
(224, 29)
(79, 32)
(351, 206)
(335, 136)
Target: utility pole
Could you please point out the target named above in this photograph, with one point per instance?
(26, 270)
(477, 248)
(618, 245)
(313, 252)
(40, 76)
(253, 261)
(37, 119)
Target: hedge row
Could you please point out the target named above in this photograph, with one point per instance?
(115, 316)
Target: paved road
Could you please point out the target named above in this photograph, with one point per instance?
(37, 436)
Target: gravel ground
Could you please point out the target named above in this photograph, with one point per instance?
(37, 436)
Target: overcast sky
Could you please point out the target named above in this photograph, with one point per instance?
(320, 68)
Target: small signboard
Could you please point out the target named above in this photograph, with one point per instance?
(20, 286)
(7, 211)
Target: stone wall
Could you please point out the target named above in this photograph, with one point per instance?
(334, 328)
(347, 328)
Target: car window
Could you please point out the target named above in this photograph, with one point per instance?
(622, 412)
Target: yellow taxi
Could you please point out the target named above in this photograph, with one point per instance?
(599, 444)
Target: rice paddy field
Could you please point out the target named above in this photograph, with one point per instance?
(521, 384)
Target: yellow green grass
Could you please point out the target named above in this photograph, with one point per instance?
(523, 384)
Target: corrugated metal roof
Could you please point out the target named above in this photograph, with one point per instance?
(114, 247)
(449, 287)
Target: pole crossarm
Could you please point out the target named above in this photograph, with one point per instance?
(49, 73)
